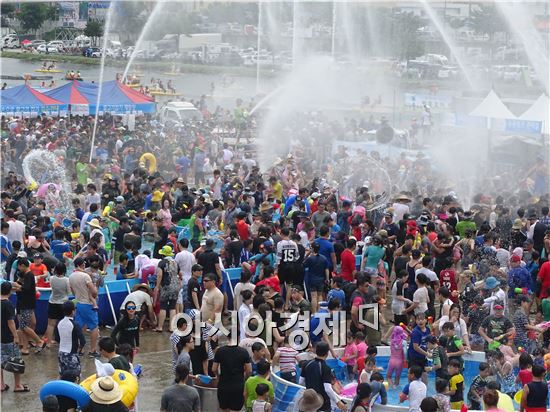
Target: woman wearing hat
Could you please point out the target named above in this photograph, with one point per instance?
(105, 396)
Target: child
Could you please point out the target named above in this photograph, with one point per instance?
(505, 374)
(456, 384)
(361, 348)
(244, 311)
(261, 403)
(286, 357)
(350, 355)
(454, 347)
(366, 373)
(378, 389)
(415, 390)
(441, 397)
(397, 355)
(478, 386)
(40, 271)
(336, 292)
(253, 381)
(418, 346)
(525, 374)
(439, 361)
(122, 267)
(259, 353)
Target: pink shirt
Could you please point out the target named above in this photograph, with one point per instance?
(351, 351)
(361, 349)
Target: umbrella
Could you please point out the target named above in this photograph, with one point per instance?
(41, 192)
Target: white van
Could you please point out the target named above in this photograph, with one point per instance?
(177, 112)
(10, 41)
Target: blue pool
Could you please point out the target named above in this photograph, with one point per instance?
(286, 393)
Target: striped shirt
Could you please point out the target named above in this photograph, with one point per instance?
(287, 359)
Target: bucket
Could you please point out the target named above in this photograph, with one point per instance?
(209, 398)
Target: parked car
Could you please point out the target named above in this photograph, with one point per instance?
(177, 112)
(10, 41)
(45, 48)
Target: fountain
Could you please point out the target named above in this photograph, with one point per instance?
(101, 73)
(464, 66)
(519, 20)
(41, 168)
(144, 31)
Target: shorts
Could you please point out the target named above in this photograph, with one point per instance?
(25, 318)
(316, 287)
(457, 405)
(86, 316)
(68, 362)
(419, 362)
(286, 273)
(230, 396)
(55, 311)
(168, 304)
(8, 351)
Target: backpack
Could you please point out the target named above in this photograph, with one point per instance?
(169, 267)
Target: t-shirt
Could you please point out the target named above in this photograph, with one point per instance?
(287, 358)
(326, 249)
(373, 254)
(397, 306)
(192, 286)
(421, 297)
(208, 260)
(185, 359)
(243, 229)
(8, 313)
(58, 247)
(26, 297)
(456, 383)
(347, 265)
(5, 244)
(477, 387)
(419, 337)
(247, 343)
(496, 326)
(250, 386)
(232, 361)
(416, 390)
(79, 281)
(315, 267)
(38, 270)
(210, 300)
(120, 362)
(180, 398)
(316, 373)
(448, 279)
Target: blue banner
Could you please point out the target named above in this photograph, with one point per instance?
(523, 126)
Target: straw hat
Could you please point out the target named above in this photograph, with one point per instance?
(94, 223)
(265, 207)
(105, 391)
(311, 401)
(518, 224)
(403, 198)
(166, 251)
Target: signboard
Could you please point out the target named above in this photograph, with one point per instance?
(417, 100)
(33, 111)
(523, 126)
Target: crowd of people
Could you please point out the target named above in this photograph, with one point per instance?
(307, 238)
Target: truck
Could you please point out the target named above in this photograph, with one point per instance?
(179, 112)
(10, 41)
(196, 41)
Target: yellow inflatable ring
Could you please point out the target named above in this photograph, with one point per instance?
(151, 159)
(106, 211)
(517, 396)
(127, 382)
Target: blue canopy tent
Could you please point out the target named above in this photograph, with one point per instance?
(116, 98)
(24, 101)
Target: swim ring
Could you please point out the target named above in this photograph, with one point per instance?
(151, 160)
(127, 382)
(65, 388)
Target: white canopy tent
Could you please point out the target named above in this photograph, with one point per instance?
(539, 112)
(492, 108)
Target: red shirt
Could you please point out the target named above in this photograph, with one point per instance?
(242, 229)
(347, 265)
(525, 376)
(544, 276)
(447, 278)
(38, 270)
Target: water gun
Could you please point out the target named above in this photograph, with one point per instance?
(405, 328)
(138, 370)
(520, 349)
(544, 325)
(521, 291)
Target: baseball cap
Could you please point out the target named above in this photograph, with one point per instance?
(498, 306)
(515, 258)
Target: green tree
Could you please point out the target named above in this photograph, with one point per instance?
(33, 15)
(487, 19)
(7, 9)
(406, 42)
(93, 29)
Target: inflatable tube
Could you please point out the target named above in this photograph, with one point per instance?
(517, 396)
(127, 382)
(65, 388)
(106, 211)
(151, 160)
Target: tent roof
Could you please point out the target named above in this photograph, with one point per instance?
(24, 95)
(539, 110)
(492, 107)
(75, 92)
(112, 93)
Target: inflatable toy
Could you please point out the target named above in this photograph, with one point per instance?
(517, 396)
(127, 382)
(69, 389)
(151, 160)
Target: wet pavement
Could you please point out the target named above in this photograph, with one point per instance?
(155, 358)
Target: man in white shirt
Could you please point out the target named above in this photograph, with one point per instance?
(92, 196)
(421, 298)
(415, 390)
(400, 207)
(17, 228)
(185, 260)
